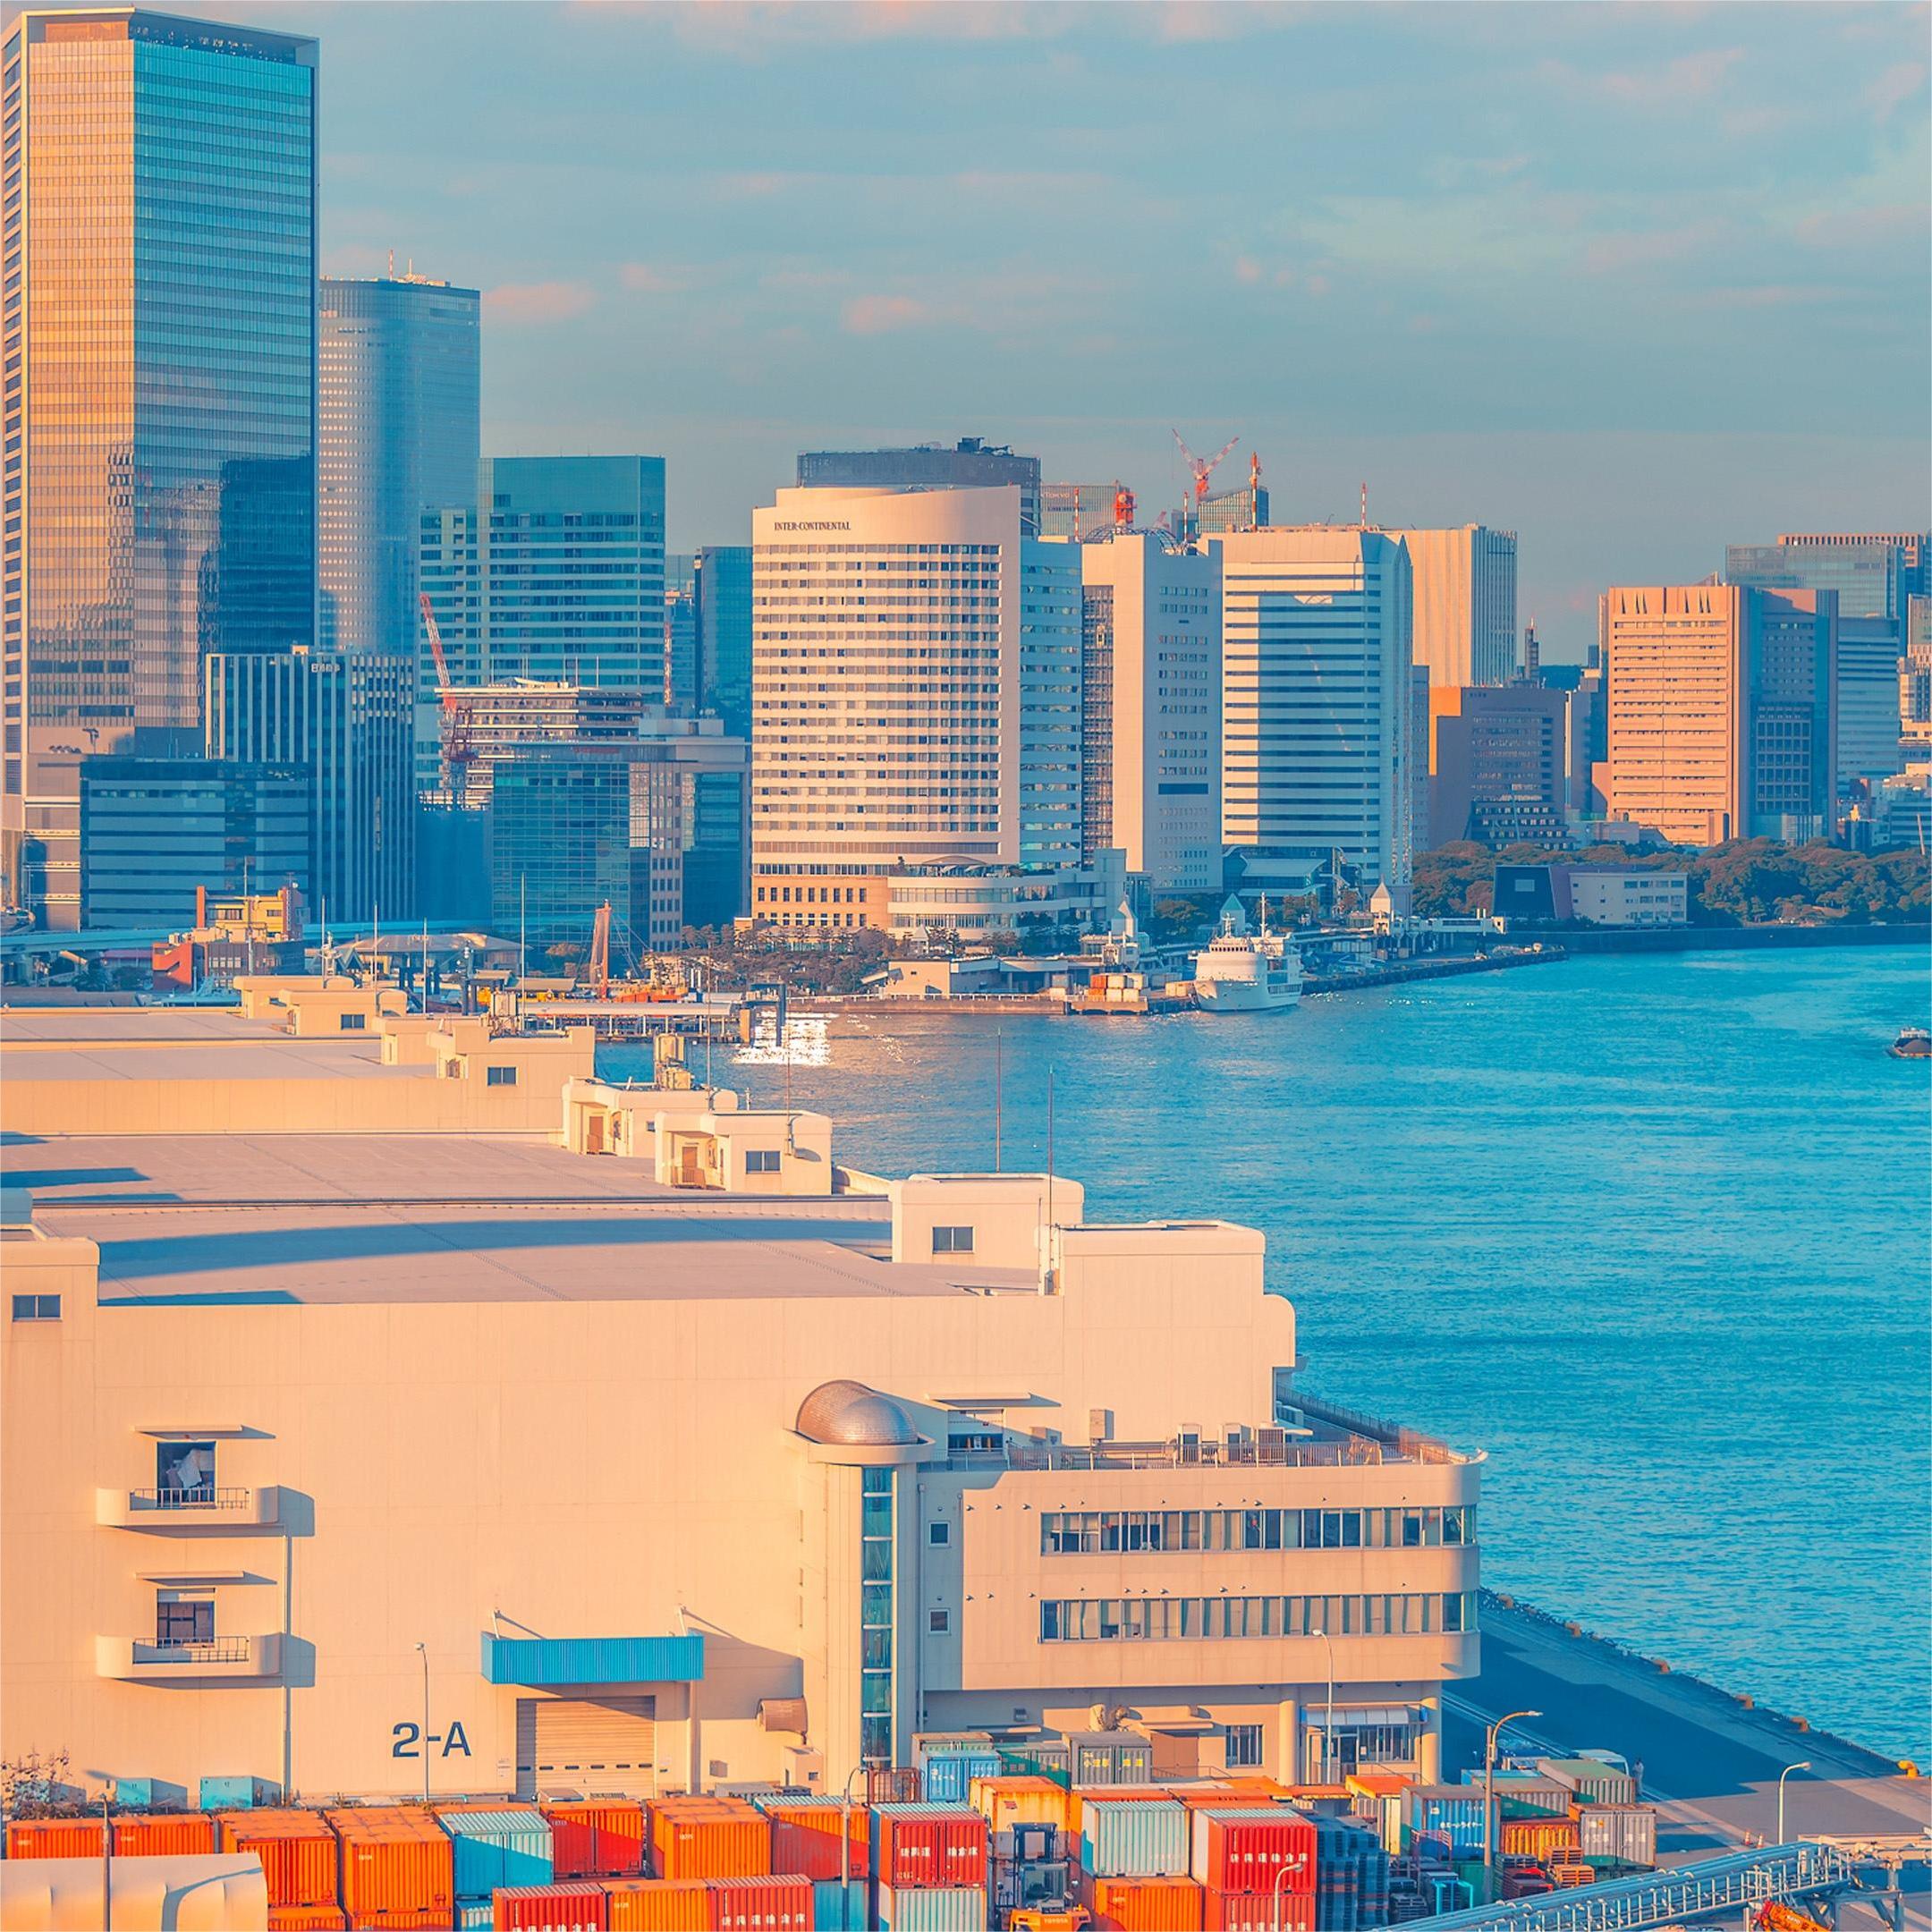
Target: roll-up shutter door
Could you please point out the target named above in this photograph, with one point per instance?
(586, 1744)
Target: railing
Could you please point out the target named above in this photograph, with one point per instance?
(1204, 1454)
(222, 1650)
(202, 1496)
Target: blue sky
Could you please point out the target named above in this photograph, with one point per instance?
(1630, 280)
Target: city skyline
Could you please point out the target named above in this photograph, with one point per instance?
(1692, 228)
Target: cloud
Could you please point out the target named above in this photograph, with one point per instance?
(1246, 268)
(1610, 254)
(1891, 90)
(1856, 227)
(657, 278)
(1689, 77)
(879, 315)
(521, 303)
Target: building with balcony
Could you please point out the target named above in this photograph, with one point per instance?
(641, 1434)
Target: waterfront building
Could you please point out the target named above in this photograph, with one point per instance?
(1598, 896)
(971, 463)
(556, 1461)
(682, 684)
(554, 571)
(1498, 760)
(344, 715)
(982, 902)
(399, 412)
(1150, 689)
(1079, 511)
(1317, 708)
(916, 695)
(723, 581)
(158, 241)
(1465, 603)
(1720, 721)
(157, 834)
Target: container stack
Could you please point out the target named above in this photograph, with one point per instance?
(1028, 1834)
(805, 1833)
(929, 1866)
(1134, 1854)
(1616, 1838)
(1256, 1868)
(1590, 1781)
(1448, 1817)
(601, 1839)
(301, 1861)
(494, 1848)
(708, 1838)
(398, 1870)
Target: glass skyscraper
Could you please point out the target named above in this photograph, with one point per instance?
(723, 595)
(157, 258)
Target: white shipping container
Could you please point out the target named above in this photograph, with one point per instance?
(935, 1908)
(1136, 1839)
(1626, 1833)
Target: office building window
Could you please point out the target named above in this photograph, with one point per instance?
(352, 1022)
(761, 1160)
(952, 1241)
(36, 1308)
(1243, 1746)
(184, 1620)
(939, 1622)
(500, 1076)
(939, 1534)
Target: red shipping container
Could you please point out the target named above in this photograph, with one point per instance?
(551, 1908)
(164, 1834)
(297, 1850)
(306, 1919)
(1255, 1911)
(658, 1905)
(1145, 1904)
(805, 1839)
(601, 1839)
(75, 1837)
(398, 1870)
(925, 1848)
(768, 1904)
(1242, 1850)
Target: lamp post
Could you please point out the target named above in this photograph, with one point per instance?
(423, 1650)
(1321, 1770)
(1804, 1766)
(844, 1899)
(1488, 1793)
(107, 1867)
(1283, 1873)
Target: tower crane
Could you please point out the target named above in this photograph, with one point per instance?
(455, 726)
(1203, 469)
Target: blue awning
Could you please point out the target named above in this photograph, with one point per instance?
(592, 1660)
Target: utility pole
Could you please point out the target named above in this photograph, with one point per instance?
(1489, 1817)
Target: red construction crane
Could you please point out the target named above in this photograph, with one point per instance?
(455, 723)
(1123, 506)
(1203, 469)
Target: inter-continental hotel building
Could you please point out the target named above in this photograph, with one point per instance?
(357, 1358)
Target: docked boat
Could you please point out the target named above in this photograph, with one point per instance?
(1241, 971)
(1913, 1043)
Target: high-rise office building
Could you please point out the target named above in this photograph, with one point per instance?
(1868, 701)
(1316, 705)
(1081, 510)
(1498, 765)
(915, 695)
(158, 245)
(1873, 572)
(556, 573)
(970, 463)
(1720, 719)
(683, 679)
(1465, 603)
(1242, 509)
(723, 580)
(345, 716)
(398, 403)
(1151, 708)
(1915, 680)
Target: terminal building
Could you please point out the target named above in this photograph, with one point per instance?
(392, 1404)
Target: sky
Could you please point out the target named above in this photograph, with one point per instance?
(1633, 281)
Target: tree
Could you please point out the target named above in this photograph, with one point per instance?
(33, 1784)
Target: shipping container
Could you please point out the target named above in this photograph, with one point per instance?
(238, 1793)
(1134, 1841)
(1257, 1911)
(504, 1847)
(570, 1907)
(150, 1794)
(1242, 1850)
(931, 1909)
(1007, 1801)
(1626, 1833)
(1245, 1793)
(1143, 1904)
(1540, 1838)
(474, 1915)
(1110, 1757)
(297, 1850)
(1038, 1761)
(805, 1837)
(947, 1775)
(1590, 1780)
(398, 1867)
(602, 1838)
(658, 1905)
(708, 1838)
(771, 1903)
(68, 1837)
(164, 1834)
(307, 1918)
(840, 1908)
(1534, 1796)
(1452, 1814)
(935, 1847)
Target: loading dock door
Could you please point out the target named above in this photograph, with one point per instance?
(606, 1744)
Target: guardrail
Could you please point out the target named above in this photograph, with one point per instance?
(223, 1650)
(198, 1498)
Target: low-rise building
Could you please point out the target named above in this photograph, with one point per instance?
(651, 1447)
(1599, 896)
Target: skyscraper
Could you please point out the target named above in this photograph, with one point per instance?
(1151, 690)
(1465, 603)
(158, 327)
(915, 695)
(968, 464)
(723, 578)
(1873, 572)
(1498, 760)
(682, 679)
(399, 422)
(1316, 705)
(1081, 510)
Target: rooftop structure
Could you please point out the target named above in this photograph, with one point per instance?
(336, 1330)
(971, 463)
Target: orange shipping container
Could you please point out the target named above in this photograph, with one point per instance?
(805, 1839)
(1257, 1912)
(1538, 1837)
(398, 1870)
(709, 1838)
(768, 1905)
(1145, 1904)
(306, 1919)
(603, 1839)
(297, 1850)
(164, 1834)
(32, 1838)
(1007, 1801)
(658, 1905)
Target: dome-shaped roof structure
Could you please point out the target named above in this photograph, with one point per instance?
(848, 1415)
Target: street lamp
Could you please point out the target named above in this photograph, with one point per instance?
(1785, 1773)
(845, 1803)
(1489, 1793)
(1283, 1873)
(1321, 1774)
(423, 1650)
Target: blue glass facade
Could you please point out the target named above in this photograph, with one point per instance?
(159, 250)
(724, 597)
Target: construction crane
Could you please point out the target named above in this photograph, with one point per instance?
(1203, 469)
(598, 970)
(1124, 508)
(455, 725)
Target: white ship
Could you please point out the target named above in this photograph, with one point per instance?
(1244, 972)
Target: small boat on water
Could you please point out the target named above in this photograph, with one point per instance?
(1913, 1043)
(1242, 972)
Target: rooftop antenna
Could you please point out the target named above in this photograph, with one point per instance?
(392, 265)
(1365, 506)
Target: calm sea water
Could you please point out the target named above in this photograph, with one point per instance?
(1653, 1232)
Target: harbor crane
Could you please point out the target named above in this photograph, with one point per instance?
(455, 727)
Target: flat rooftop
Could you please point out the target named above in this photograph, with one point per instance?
(146, 1043)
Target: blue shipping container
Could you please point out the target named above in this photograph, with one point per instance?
(837, 1908)
(506, 1847)
(949, 1774)
(1138, 1839)
(237, 1793)
(941, 1909)
(1451, 1813)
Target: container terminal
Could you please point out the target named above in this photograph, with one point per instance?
(411, 1437)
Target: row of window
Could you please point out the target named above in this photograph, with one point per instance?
(1087, 1532)
(1210, 1619)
